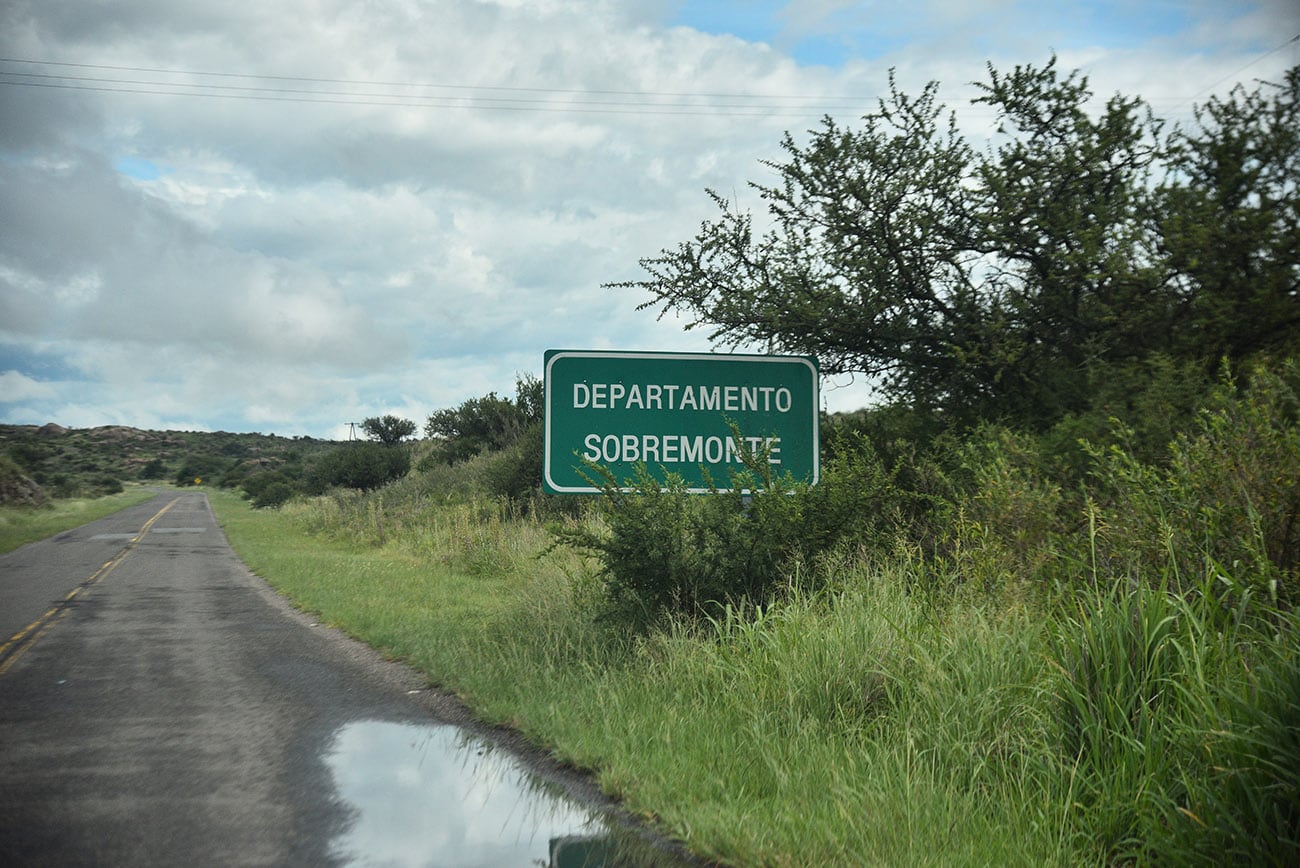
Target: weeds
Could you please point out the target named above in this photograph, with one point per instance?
(955, 658)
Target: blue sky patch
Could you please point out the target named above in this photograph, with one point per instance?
(828, 43)
(36, 365)
(833, 33)
(137, 167)
(751, 20)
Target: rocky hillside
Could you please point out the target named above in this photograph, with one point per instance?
(39, 462)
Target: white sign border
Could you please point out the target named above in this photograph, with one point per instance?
(556, 355)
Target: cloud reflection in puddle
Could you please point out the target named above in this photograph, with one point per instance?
(434, 795)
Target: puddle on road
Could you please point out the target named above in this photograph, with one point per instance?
(434, 795)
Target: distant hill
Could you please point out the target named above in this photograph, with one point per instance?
(86, 462)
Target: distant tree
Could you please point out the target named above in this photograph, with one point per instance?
(487, 424)
(530, 397)
(103, 484)
(255, 484)
(203, 466)
(273, 494)
(389, 430)
(154, 469)
(357, 465)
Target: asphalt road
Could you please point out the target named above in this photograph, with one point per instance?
(159, 705)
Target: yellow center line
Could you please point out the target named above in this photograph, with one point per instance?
(25, 638)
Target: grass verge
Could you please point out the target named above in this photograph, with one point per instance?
(19, 526)
(893, 717)
(860, 726)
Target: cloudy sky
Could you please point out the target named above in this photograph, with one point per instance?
(286, 216)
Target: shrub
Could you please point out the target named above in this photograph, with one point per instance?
(516, 470)
(273, 494)
(256, 485)
(206, 467)
(486, 424)
(155, 469)
(103, 484)
(358, 465)
(997, 517)
(1227, 503)
(664, 551)
(1156, 397)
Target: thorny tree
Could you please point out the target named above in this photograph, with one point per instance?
(1000, 283)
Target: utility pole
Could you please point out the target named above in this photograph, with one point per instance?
(352, 430)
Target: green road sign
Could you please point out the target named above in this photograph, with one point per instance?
(674, 412)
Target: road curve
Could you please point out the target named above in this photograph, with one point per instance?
(159, 705)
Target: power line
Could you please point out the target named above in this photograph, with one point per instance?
(267, 77)
(524, 97)
(399, 102)
(463, 96)
(1263, 56)
(653, 103)
(248, 88)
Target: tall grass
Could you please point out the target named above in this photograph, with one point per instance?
(1017, 675)
(1178, 728)
(859, 724)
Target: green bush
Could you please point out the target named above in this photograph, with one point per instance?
(1157, 398)
(1225, 505)
(994, 517)
(28, 456)
(256, 487)
(273, 494)
(358, 465)
(155, 469)
(103, 484)
(516, 470)
(654, 560)
(665, 552)
(203, 466)
(487, 424)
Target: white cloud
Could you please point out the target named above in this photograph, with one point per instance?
(19, 387)
(395, 207)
